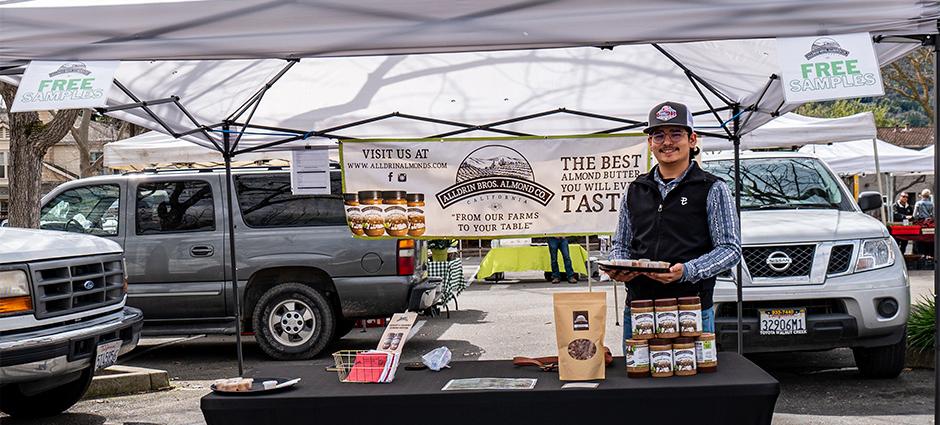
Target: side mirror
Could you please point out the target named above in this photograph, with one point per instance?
(868, 201)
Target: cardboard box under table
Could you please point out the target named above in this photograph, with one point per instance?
(739, 393)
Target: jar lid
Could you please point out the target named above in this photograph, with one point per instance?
(683, 340)
(351, 197)
(637, 342)
(666, 302)
(389, 195)
(369, 194)
(641, 303)
(660, 341)
(706, 336)
(415, 197)
(690, 300)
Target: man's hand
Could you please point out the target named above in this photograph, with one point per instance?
(673, 275)
(621, 275)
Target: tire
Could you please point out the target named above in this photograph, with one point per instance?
(306, 325)
(47, 403)
(881, 362)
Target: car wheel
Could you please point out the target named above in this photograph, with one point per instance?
(46, 403)
(881, 362)
(293, 321)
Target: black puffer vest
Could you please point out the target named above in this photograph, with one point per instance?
(674, 229)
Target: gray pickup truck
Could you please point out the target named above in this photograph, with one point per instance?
(303, 278)
(62, 316)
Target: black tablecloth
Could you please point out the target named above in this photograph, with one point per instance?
(739, 393)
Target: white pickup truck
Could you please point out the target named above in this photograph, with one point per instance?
(818, 272)
(62, 316)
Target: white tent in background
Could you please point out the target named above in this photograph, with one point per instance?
(858, 157)
(793, 129)
(154, 148)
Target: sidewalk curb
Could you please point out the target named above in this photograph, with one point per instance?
(121, 380)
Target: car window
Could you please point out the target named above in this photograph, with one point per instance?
(782, 183)
(92, 209)
(265, 200)
(174, 206)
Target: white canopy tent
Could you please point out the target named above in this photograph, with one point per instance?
(733, 83)
(154, 148)
(793, 129)
(858, 156)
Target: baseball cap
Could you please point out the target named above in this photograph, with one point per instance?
(669, 113)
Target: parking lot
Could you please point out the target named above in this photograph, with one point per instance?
(499, 321)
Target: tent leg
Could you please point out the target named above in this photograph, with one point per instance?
(739, 278)
(936, 213)
(231, 244)
(881, 190)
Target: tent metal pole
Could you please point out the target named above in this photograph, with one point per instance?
(201, 128)
(756, 106)
(466, 127)
(230, 217)
(140, 104)
(936, 213)
(145, 108)
(736, 139)
(256, 98)
(708, 102)
(881, 190)
(692, 75)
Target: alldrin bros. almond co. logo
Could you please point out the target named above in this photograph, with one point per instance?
(495, 169)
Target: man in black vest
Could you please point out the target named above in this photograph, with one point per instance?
(676, 213)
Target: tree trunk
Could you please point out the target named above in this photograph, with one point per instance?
(80, 135)
(30, 138)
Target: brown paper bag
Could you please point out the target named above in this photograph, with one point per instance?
(580, 321)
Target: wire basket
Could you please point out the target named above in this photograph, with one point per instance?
(351, 367)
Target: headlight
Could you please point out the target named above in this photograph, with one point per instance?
(875, 254)
(14, 292)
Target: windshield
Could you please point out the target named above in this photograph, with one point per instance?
(782, 183)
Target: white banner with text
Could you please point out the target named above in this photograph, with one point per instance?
(829, 67)
(483, 188)
(58, 85)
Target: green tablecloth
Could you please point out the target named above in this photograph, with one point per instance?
(526, 258)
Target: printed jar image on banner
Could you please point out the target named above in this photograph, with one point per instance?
(492, 187)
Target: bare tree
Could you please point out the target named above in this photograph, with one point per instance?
(30, 138)
(912, 78)
(80, 135)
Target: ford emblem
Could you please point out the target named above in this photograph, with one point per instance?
(88, 285)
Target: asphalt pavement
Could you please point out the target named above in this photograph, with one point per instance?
(499, 321)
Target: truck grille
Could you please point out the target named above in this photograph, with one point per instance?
(801, 260)
(68, 286)
(839, 260)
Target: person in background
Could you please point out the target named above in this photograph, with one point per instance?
(923, 209)
(903, 211)
(554, 245)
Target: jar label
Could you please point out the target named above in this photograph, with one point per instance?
(705, 351)
(690, 320)
(661, 361)
(685, 359)
(354, 217)
(642, 323)
(374, 218)
(667, 322)
(638, 355)
(396, 218)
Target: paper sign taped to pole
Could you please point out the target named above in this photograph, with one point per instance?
(829, 67)
(54, 85)
(486, 187)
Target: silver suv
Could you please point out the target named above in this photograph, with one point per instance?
(818, 272)
(302, 277)
(62, 316)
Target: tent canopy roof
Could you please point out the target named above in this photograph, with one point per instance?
(858, 156)
(797, 130)
(156, 39)
(253, 29)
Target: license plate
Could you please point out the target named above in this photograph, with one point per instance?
(783, 321)
(107, 354)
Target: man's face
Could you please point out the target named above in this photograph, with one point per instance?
(671, 144)
(903, 199)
